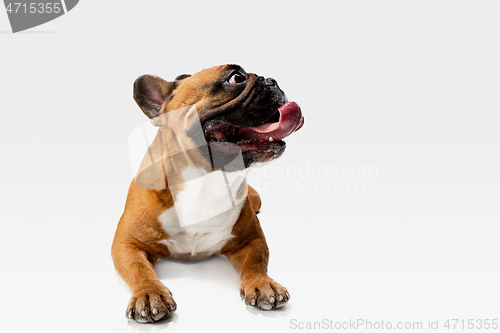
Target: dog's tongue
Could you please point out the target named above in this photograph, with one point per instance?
(291, 120)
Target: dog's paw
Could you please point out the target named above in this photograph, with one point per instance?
(151, 305)
(264, 294)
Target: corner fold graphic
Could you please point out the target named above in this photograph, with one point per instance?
(70, 4)
(25, 15)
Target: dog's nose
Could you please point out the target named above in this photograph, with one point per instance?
(270, 82)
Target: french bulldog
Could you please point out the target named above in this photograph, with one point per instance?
(189, 199)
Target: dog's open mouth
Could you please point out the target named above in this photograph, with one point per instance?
(255, 139)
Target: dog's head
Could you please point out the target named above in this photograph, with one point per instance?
(239, 112)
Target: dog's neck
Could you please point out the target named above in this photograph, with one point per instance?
(207, 195)
(179, 157)
(199, 193)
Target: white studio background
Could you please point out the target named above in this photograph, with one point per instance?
(385, 206)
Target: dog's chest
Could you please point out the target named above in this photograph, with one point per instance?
(204, 213)
(200, 240)
(205, 195)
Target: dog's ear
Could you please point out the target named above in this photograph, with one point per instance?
(150, 92)
(182, 77)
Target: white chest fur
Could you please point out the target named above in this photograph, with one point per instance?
(203, 216)
(200, 240)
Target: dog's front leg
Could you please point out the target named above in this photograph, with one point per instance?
(257, 288)
(251, 260)
(151, 300)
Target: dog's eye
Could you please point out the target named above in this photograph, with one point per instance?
(237, 78)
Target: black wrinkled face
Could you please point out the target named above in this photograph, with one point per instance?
(258, 102)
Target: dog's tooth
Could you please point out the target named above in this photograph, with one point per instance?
(271, 139)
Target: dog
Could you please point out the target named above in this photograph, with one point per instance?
(189, 199)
